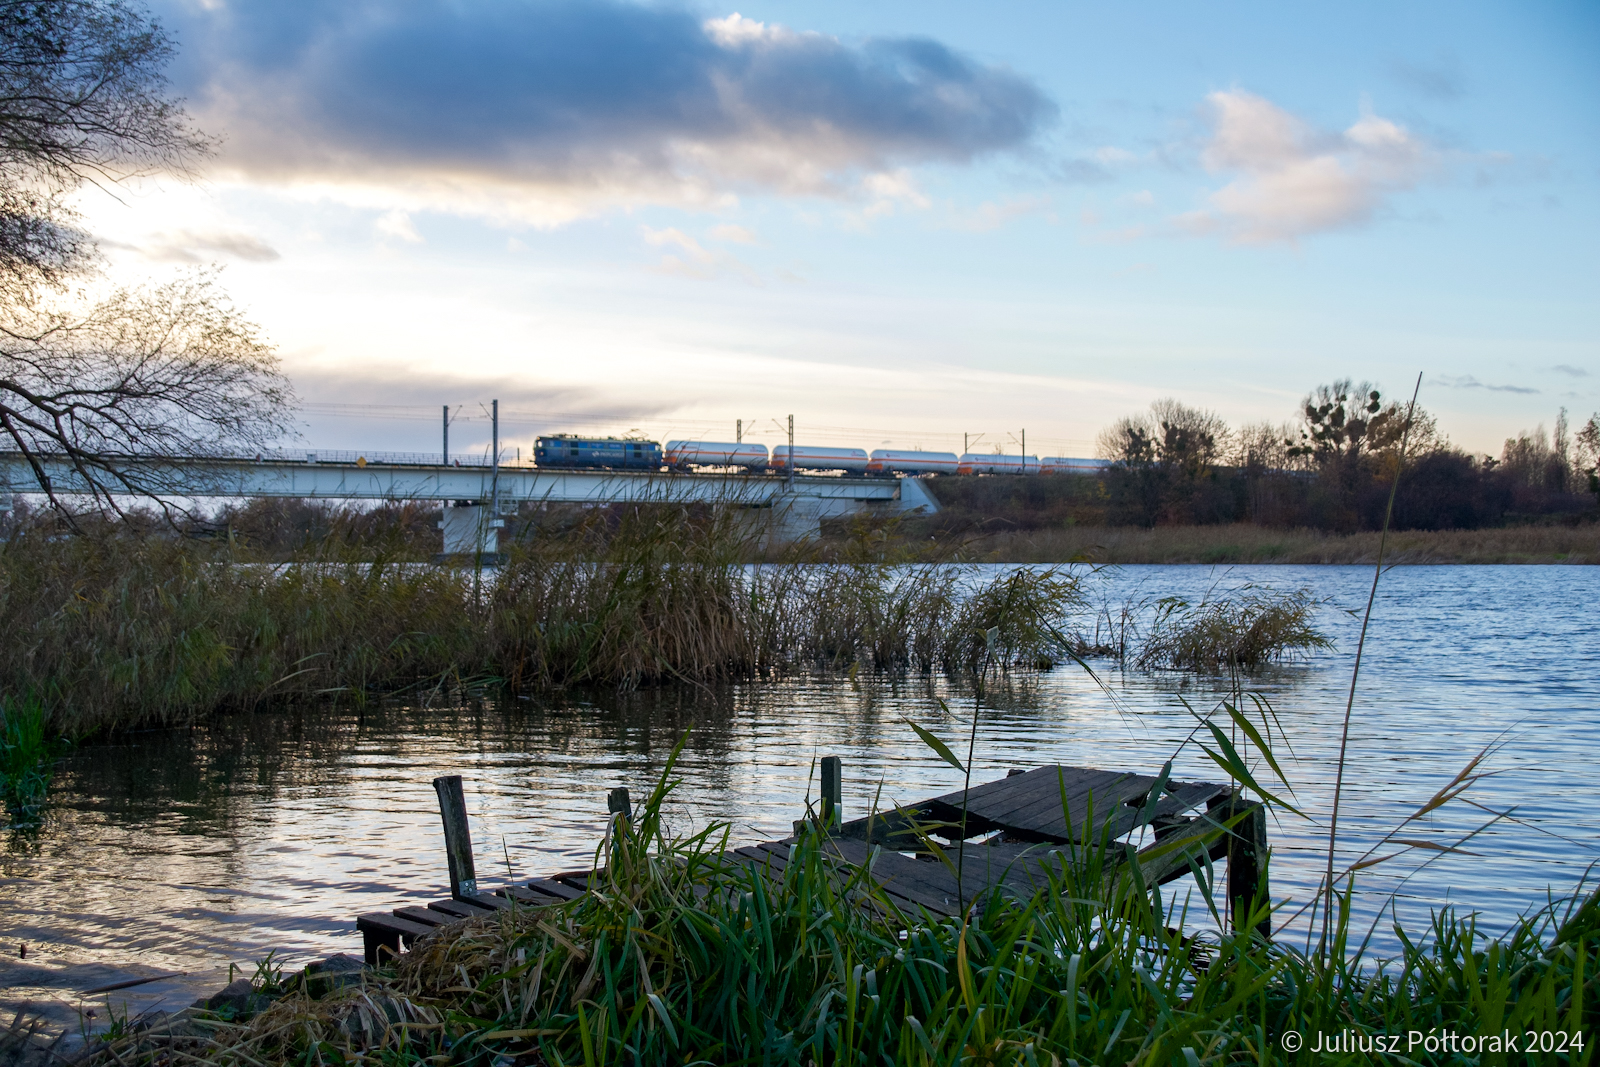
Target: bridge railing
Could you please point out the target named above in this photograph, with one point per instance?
(344, 455)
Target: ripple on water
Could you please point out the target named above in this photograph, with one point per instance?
(182, 850)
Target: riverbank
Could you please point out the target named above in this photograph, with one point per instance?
(1578, 544)
(681, 956)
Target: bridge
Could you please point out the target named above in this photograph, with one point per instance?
(477, 494)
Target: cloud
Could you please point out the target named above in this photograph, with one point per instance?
(992, 215)
(1570, 371)
(189, 246)
(1467, 381)
(692, 259)
(1294, 180)
(397, 224)
(544, 110)
(733, 234)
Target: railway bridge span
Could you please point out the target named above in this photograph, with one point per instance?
(476, 496)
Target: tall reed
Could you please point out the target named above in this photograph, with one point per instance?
(119, 629)
(28, 753)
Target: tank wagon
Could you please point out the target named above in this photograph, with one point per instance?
(685, 454)
(812, 458)
(977, 463)
(590, 453)
(1069, 465)
(891, 461)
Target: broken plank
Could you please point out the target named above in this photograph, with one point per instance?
(380, 932)
(423, 916)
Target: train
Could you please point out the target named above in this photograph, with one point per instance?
(628, 453)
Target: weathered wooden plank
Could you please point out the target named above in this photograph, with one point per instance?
(555, 889)
(382, 933)
(457, 835)
(1036, 814)
(617, 803)
(1009, 799)
(415, 914)
(1247, 857)
(459, 909)
(525, 897)
(892, 829)
(1092, 813)
(832, 792)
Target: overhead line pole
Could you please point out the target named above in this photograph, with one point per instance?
(494, 478)
(447, 435)
(789, 482)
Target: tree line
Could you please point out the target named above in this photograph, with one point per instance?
(1333, 466)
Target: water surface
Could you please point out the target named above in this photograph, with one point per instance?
(185, 850)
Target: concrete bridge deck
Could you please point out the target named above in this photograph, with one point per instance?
(473, 493)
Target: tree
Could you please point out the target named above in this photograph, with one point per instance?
(1341, 421)
(1167, 461)
(82, 98)
(1586, 447)
(141, 375)
(108, 386)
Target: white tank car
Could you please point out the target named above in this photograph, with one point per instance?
(1069, 465)
(976, 463)
(715, 454)
(887, 460)
(811, 458)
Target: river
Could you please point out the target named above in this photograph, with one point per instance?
(182, 851)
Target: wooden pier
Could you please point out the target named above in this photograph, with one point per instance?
(1030, 822)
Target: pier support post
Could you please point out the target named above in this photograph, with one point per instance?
(1247, 859)
(617, 803)
(832, 792)
(470, 529)
(457, 836)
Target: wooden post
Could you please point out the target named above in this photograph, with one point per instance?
(1247, 858)
(617, 803)
(457, 836)
(832, 792)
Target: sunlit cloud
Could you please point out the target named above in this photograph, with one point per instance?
(1292, 180)
(543, 112)
(190, 246)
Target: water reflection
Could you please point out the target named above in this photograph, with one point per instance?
(181, 850)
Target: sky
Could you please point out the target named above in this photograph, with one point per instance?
(912, 225)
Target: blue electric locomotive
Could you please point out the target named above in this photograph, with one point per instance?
(614, 453)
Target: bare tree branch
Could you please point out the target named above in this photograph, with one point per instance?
(142, 376)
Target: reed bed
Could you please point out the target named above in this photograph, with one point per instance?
(1241, 629)
(116, 629)
(1241, 543)
(683, 956)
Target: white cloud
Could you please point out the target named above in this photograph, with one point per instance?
(733, 234)
(689, 258)
(397, 224)
(1292, 179)
(992, 215)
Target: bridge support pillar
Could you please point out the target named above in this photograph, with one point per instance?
(470, 530)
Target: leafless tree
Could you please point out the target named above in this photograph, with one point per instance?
(82, 98)
(96, 400)
(97, 391)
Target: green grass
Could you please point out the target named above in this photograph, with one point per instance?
(682, 955)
